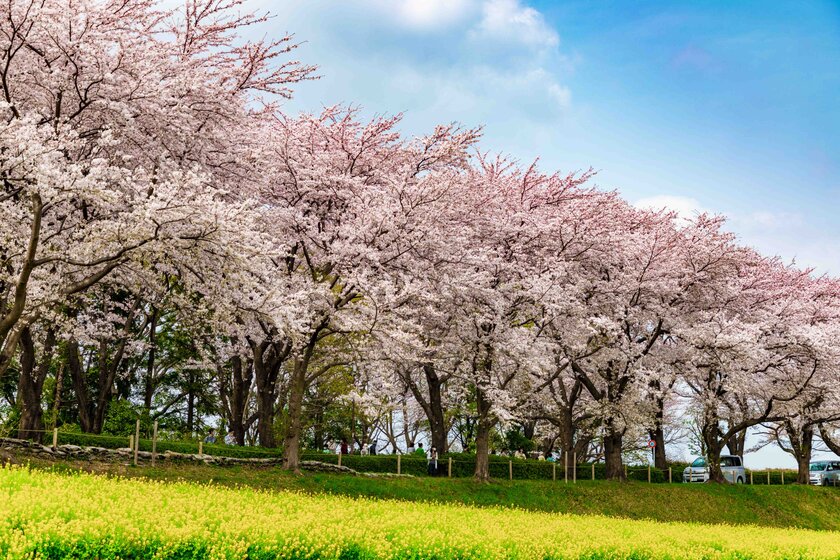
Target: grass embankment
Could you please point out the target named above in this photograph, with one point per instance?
(52, 515)
(771, 506)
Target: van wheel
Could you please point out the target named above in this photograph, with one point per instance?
(739, 480)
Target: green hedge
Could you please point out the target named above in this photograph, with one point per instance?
(190, 447)
(760, 477)
(463, 466)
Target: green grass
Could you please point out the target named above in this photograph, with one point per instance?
(773, 506)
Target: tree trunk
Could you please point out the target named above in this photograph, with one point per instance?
(614, 464)
(191, 402)
(149, 382)
(432, 406)
(291, 447)
(482, 437)
(235, 392)
(802, 452)
(31, 384)
(714, 447)
(657, 435)
(318, 438)
(78, 375)
(268, 356)
(737, 444)
(265, 418)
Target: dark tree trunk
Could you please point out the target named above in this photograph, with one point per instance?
(291, 447)
(31, 384)
(482, 437)
(78, 375)
(737, 443)
(567, 434)
(613, 441)
(268, 357)
(714, 446)
(529, 429)
(59, 386)
(657, 435)
(92, 409)
(801, 445)
(191, 402)
(149, 382)
(235, 390)
(432, 404)
(318, 439)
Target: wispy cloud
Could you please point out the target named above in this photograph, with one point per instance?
(511, 21)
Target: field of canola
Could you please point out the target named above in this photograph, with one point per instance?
(46, 515)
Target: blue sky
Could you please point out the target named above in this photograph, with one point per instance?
(730, 107)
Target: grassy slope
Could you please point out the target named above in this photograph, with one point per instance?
(775, 506)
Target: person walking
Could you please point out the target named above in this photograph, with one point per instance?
(432, 458)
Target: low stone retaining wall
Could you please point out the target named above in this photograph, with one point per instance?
(67, 451)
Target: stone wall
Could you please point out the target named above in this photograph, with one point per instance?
(19, 447)
(123, 454)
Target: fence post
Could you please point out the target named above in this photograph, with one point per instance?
(510, 469)
(136, 441)
(201, 448)
(593, 470)
(399, 464)
(648, 474)
(554, 471)
(566, 467)
(339, 458)
(154, 443)
(55, 439)
(449, 469)
(669, 475)
(768, 477)
(751, 478)
(783, 478)
(574, 469)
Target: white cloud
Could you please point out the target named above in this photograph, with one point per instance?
(684, 206)
(764, 220)
(426, 14)
(511, 21)
(561, 94)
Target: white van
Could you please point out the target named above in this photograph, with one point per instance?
(732, 467)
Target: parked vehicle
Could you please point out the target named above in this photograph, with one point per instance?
(732, 467)
(825, 473)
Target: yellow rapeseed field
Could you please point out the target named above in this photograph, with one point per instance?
(46, 515)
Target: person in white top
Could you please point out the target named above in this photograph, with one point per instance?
(432, 458)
